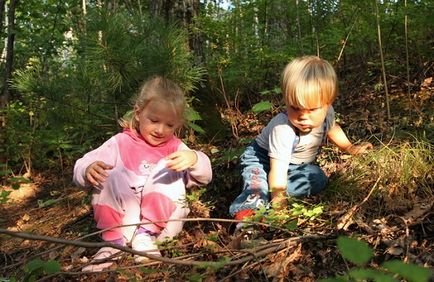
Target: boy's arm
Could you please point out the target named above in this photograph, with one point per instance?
(277, 183)
(340, 139)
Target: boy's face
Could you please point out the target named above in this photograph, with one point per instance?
(307, 119)
(157, 122)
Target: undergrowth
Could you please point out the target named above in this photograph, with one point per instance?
(398, 173)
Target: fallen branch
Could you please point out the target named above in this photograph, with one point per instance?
(249, 257)
(345, 220)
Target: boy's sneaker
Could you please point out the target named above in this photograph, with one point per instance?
(241, 215)
(144, 242)
(244, 230)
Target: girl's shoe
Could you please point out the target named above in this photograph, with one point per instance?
(144, 242)
(102, 259)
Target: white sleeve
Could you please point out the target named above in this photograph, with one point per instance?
(281, 143)
(107, 153)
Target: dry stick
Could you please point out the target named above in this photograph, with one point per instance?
(71, 273)
(158, 258)
(346, 40)
(149, 263)
(345, 219)
(406, 241)
(244, 268)
(145, 223)
(80, 238)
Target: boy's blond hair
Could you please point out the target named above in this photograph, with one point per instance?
(159, 89)
(309, 82)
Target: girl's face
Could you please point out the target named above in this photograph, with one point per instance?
(157, 122)
(307, 119)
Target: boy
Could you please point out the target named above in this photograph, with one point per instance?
(280, 161)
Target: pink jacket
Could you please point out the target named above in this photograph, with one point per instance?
(131, 152)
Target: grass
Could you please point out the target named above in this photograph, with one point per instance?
(404, 172)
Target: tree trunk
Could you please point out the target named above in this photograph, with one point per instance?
(2, 12)
(383, 68)
(182, 11)
(4, 99)
(300, 47)
(2, 15)
(407, 60)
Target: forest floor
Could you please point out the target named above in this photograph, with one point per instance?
(399, 225)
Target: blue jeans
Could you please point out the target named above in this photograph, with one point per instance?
(303, 180)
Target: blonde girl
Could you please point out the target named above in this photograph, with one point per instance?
(139, 176)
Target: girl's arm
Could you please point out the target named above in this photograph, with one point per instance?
(198, 172)
(340, 139)
(107, 154)
(277, 183)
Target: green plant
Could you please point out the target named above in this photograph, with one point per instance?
(287, 218)
(194, 195)
(7, 179)
(360, 253)
(403, 170)
(38, 268)
(299, 209)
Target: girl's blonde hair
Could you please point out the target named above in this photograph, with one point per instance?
(309, 82)
(159, 89)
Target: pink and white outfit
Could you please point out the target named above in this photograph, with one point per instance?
(140, 189)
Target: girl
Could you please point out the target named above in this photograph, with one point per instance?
(140, 175)
(281, 160)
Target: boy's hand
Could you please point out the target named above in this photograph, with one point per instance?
(181, 160)
(359, 149)
(278, 199)
(96, 173)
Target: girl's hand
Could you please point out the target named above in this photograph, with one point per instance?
(96, 173)
(181, 160)
(359, 149)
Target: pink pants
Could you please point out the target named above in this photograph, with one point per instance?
(126, 198)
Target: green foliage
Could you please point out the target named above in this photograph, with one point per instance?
(287, 218)
(170, 247)
(262, 106)
(215, 265)
(355, 251)
(403, 171)
(37, 268)
(71, 103)
(194, 195)
(359, 253)
(192, 116)
(301, 210)
(7, 179)
(410, 272)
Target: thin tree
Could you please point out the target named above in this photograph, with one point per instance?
(2, 13)
(406, 47)
(383, 68)
(4, 99)
(300, 47)
(312, 12)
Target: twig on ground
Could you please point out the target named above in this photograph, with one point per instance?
(345, 220)
(259, 253)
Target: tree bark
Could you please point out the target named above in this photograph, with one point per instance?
(2, 12)
(182, 11)
(383, 67)
(4, 99)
